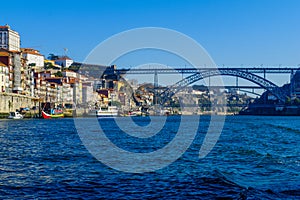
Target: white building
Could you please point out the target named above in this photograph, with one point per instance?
(4, 76)
(64, 61)
(14, 63)
(69, 73)
(88, 94)
(33, 56)
(9, 39)
(67, 93)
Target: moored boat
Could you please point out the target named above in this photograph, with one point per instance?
(107, 112)
(50, 116)
(15, 115)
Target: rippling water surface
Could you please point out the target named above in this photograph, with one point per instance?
(254, 158)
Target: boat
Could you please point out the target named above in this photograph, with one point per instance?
(134, 113)
(15, 115)
(55, 113)
(107, 112)
(50, 116)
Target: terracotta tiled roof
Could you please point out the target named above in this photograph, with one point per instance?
(3, 53)
(14, 51)
(30, 51)
(2, 64)
(8, 51)
(64, 58)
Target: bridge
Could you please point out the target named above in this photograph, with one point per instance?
(255, 75)
(192, 70)
(262, 82)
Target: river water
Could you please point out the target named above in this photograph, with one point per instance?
(255, 158)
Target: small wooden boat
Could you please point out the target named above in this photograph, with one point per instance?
(50, 116)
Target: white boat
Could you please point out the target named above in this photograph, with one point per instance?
(15, 115)
(107, 112)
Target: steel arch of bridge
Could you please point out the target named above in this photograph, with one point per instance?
(262, 82)
(251, 92)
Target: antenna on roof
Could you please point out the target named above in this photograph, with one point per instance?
(65, 51)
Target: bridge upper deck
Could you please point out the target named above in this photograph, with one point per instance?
(190, 70)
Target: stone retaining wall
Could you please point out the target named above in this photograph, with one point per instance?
(12, 102)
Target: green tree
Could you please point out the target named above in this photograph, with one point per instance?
(74, 68)
(288, 101)
(58, 74)
(297, 101)
(52, 56)
(48, 65)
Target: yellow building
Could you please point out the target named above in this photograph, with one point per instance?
(4, 76)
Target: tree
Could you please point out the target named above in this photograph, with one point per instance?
(74, 68)
(52, 56)
(297, 101)
(288, 101)
(48, 65)
(58, 74)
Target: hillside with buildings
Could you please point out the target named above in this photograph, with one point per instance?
(26, 74)
(268, 104)
(28, 79)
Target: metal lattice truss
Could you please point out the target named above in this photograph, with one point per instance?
(262, 82)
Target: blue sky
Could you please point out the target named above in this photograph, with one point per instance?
(248, 32)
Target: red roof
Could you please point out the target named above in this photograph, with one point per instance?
(2, 64)
(30, 51)
(6, 26)
(64, 58)
(9, 51)
(67, 70)
(4, 53)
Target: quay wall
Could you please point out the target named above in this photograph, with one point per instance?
(12, 102)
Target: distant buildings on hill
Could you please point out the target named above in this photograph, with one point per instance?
(25, 71)
(64, 61)
(61, 80)
(33, 57)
